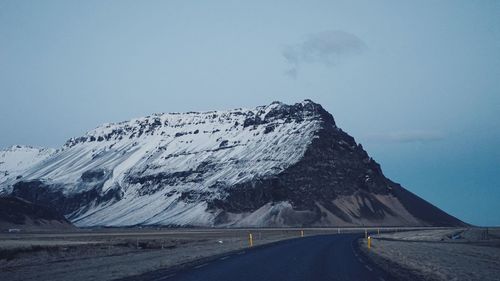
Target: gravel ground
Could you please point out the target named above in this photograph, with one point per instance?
(109, 254)
(456, 254)
(116, 254)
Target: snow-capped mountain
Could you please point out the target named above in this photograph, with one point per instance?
(15, 159)
(274, 165)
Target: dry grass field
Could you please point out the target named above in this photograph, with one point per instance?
(444, 254)
(113, 253)
(107, 254)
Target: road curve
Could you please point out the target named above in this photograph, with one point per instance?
(315, 258)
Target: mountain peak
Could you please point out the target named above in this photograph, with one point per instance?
(178, 123)
(272, 165)
(18, 147)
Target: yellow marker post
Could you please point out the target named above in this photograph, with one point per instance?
(302, 233)
(250, 240)
(369, 242)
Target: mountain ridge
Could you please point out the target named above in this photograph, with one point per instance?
(274, 165)
(17, 158)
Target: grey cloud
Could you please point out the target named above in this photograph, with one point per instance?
(408, 136)
(326, 48)
(292, 72)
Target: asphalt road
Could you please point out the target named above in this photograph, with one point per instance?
(315, 258)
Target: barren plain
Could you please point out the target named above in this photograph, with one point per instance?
(439, 254)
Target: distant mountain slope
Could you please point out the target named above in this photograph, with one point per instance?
(275, 165)
(16, 213)
(15, 159)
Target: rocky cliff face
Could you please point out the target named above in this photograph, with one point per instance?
(16, 213)
(275, 165)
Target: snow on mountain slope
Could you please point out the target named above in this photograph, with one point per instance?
(274, 165)
(155, 160)
(170, 143)
(15, 159)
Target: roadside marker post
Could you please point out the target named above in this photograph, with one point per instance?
(378, 230)
(366, 234)
(369, 242)
(302, 233)
(250, 240)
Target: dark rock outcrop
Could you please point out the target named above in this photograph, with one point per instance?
(71, 205)
(22, 214)
(229, 169)
(334, 165)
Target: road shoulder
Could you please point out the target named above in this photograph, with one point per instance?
(436, 254)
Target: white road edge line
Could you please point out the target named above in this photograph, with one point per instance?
(369, 268)
(241, 253)
(224, 258)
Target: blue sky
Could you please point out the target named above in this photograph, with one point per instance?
(417, 83)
